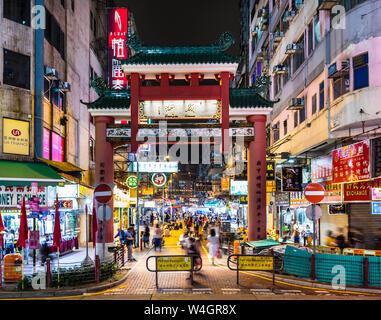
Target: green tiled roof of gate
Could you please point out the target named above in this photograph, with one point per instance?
(148, 55)
(248, 98)
(114, 100)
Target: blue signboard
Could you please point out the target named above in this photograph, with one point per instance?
(376, 207)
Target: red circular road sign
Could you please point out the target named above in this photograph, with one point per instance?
(103, 193)
(314, 192)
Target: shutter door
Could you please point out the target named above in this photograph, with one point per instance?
(361, 218)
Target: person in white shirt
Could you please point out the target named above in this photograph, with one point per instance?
(213, 244)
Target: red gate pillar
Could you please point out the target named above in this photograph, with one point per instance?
(104, 173)
(225, 79)
(257, 180)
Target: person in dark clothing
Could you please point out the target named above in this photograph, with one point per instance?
(196, 228)
(146, 236)
(340, 240)
(192, 251)
(122, 236)
(44, 253)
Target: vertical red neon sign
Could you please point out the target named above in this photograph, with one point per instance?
(117, 36)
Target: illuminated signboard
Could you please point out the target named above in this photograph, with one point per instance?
(15, 137)
(152, 167)
(238, 188)
(46, 144)
(57, 147)
(117, 36)
(184, 109)
(376, 194)
(376, 207)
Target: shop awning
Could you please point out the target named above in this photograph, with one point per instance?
(62, 166)
(263, 244)
(14, 173)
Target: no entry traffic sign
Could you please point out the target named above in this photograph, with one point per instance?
(314, 192)
(103, 193)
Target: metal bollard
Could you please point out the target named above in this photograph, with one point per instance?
(48, 274)
(123, 256)
(97, 269)
(115, 251)
(366, 271)
(242, 249)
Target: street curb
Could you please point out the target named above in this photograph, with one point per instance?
(66, 293)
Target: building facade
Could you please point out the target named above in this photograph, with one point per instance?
(59, 131)
(322, 59)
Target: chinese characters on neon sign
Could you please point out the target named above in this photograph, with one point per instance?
(118, 28)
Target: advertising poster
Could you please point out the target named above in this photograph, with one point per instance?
(46, 144)
(57, 147)
(292, 178)
(351, 163)
(15, 137)
(376, 157)
(321, 169)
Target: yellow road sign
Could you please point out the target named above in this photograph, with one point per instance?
(255, 263)
(174, 264)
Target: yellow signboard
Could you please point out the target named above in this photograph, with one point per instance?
(174, 264)
(255, 263)
(15, 136)
(225, 184)
(147, 191)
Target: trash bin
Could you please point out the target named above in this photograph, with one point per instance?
(13, 270)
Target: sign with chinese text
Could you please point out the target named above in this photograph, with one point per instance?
(238, 188)
(376, 157)
(15, 136)
(147, 191)
(360, 191)
(297, 198)
(225, 184)
(332, 192)
(46, 144)
(132, 182)
(376, 194)
(159, 180)
(57, 147)
(34, 239)
(185, 109)
(292, 178)
(282, 199)
(117, 36)
(376, 207)
(203, 186)
(11, 196)
(270, 170)
(152, 167)
(255, 263)
(321, 169)
(68, 191)
(174, 263)
(351, 163)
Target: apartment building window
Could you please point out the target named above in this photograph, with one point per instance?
(295, 119)
(276, 132)
(302, 115)
(92, 149)
(277, 84)
(317, 29)
(72, 5)
(17, 11)
(298, 57)
(313, 103)
(284, 127)
(340, 86)
(321, 95)
(310, 37)
(54, 35)
(58, 98)
(360, 71)
(47, 89)
(16, 69)
(91, 21)
(287, 75)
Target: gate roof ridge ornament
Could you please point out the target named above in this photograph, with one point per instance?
(224, 42)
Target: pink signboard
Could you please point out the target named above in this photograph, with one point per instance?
(351, 163)
(321, 169)
(57, 148)
(46, 144)
(34, 239)
(117, 36)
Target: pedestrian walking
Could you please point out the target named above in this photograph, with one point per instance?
(10, 242)
(129, 239)
(146, 236)
(213, 244)
(192, 251)
(44, 252)
(157, 236)
(340, 239)
(306, 233)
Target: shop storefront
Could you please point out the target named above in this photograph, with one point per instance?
(121, 204)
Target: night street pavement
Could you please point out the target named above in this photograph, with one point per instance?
(211, 283)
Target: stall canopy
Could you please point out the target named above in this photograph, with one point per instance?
(14, 173)
(263, 244)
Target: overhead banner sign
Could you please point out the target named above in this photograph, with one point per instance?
(351, 163)
(16, 136)
(183, 109)
(321, 169)
(153, 167)
(117, 49)
(292, 178)
(360, 191)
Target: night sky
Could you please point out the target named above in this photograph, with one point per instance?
(185, 22)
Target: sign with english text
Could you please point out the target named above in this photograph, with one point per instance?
(15, 136)
(11, 196)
